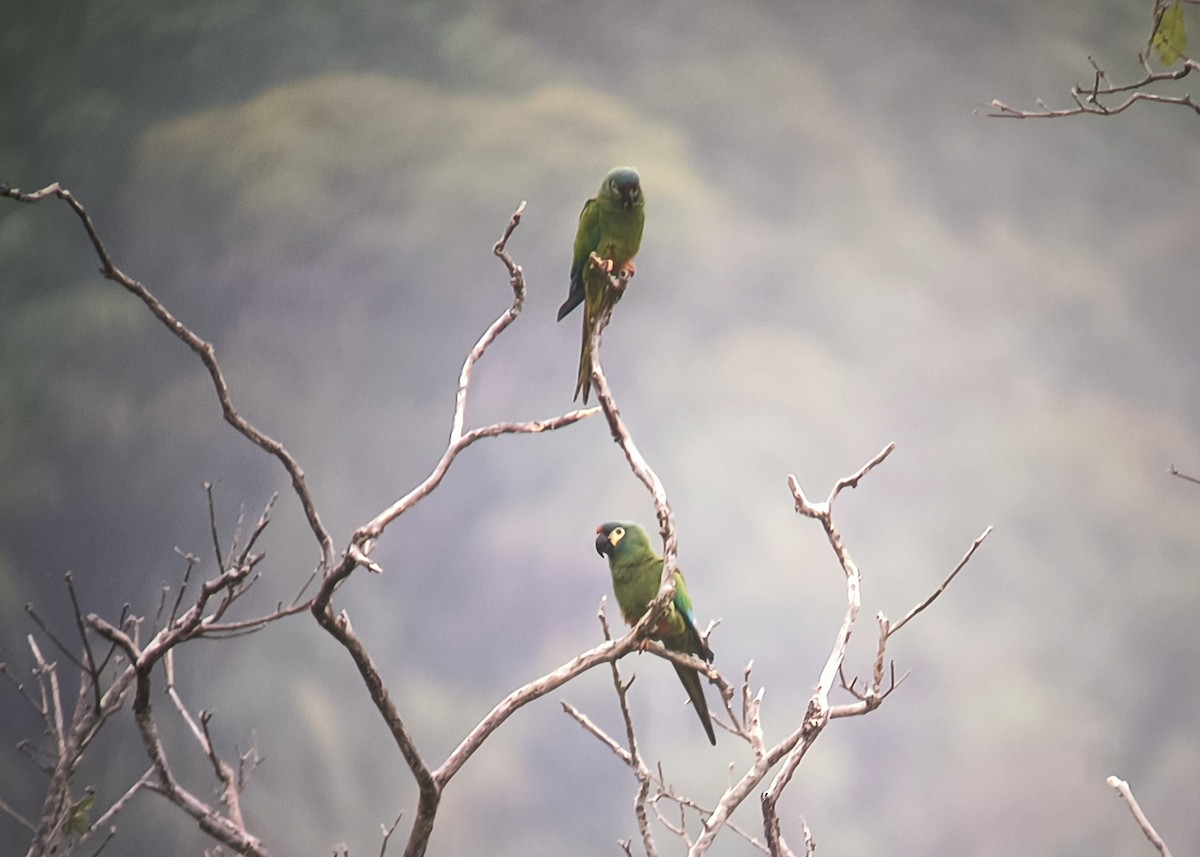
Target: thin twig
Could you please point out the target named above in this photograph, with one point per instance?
(1123, 789)
(212, 526)
(58, 644)
(193, 726)
(192, 562)
(1183, 476)
(460, 439)
(88, 656)
(225, 630)
(599, 734)
(387, 834)
(796, 745)
(17, 817)
(20, 687)
(259, 527)
(111, 813)
(962, 562)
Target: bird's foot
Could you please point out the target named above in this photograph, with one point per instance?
(605, 265)
(627, 270)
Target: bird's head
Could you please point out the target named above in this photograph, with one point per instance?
(623, 186)
(616, 539)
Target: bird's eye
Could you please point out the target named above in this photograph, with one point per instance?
(616, 535)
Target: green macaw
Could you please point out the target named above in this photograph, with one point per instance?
(636, 575)
(610, 226)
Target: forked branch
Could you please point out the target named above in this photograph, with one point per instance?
(1101, 98)
(430, 782)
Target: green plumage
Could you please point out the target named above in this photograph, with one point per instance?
(636, 575)
(610, 226)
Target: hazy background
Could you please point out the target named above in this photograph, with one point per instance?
(838, 253)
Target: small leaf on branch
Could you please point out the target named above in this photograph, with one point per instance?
(80, 815)
(1170, 40)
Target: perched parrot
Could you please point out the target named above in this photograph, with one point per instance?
(610, 226)
(636, 575)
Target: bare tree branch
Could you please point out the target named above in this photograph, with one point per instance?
(600, 735)
(230, 792)
(873, 694)
(430, 783)
(1124, 791)
(63, 815)
(196, 621)
(635, 761)
(604, 653)
(94, 707)
(642, 773)
(776, 845)
(204, 350)
(142, 660)
(206, 609)
(637, 463)
(793, 748)
(664, 791)
(819, 713)
(795, 745)
(387, 834)
(459, 439)
(817, 716)
(1093, 100)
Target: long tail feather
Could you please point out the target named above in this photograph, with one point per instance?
(695, 692)
(583, 381)
(574, 299)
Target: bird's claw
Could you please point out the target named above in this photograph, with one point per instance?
(605, 265)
